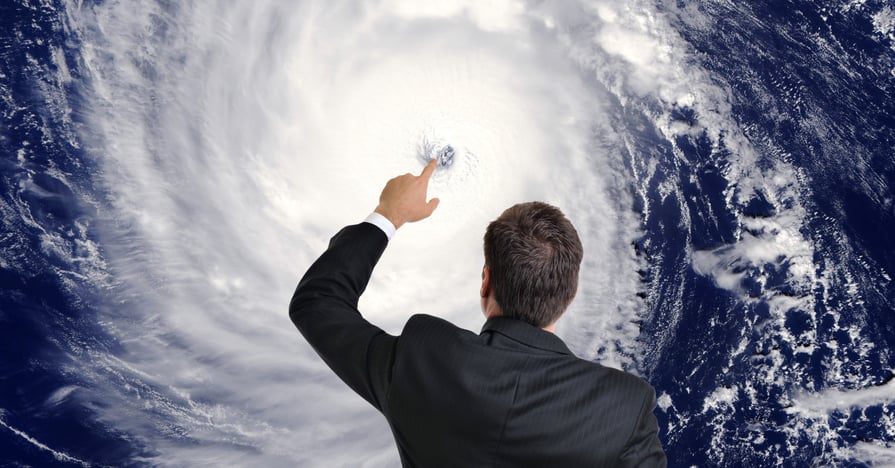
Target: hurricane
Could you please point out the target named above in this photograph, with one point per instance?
(171, 169)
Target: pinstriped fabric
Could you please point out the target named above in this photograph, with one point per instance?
(450, 389)
(508, 417)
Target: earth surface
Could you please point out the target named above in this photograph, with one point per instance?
(170, 169)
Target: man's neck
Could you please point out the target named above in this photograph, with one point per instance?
(495, 312)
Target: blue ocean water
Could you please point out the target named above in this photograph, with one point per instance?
(813, 85)
(756, 327)
(48, 206)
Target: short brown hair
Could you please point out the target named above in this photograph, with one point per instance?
(534, 254)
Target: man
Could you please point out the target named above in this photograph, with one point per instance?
(511, 396)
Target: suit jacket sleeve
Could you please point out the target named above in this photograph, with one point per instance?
(324, 309)
(643, 447)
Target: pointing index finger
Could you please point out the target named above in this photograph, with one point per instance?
(429, 169)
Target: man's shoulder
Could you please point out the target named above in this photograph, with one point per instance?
(431, 331)
(435, 334)
(426, 340)
(424, 324)
(619, 380)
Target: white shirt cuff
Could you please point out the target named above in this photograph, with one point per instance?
(381, 222)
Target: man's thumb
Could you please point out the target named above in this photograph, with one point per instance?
(433, 203)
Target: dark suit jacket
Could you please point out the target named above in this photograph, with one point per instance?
(511, 396)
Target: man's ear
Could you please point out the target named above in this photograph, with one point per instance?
(486, 282)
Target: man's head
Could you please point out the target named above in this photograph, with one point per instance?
(532, 258)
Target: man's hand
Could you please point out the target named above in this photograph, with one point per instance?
(403, 200)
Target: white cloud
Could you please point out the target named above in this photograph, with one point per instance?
(823, 404)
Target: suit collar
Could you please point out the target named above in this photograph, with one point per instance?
(526, 333)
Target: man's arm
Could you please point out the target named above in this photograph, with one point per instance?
(324, 309)
(324, 306)
(643, 447)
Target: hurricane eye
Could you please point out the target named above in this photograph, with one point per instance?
(444, 153)
(445, 156)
